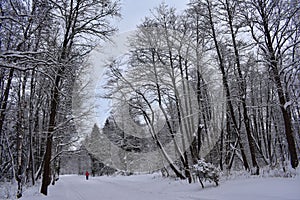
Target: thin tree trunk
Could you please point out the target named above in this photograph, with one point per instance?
(225, 83)
(20, 134)
(5, 99)
(31, 165)
(273, 63)
(242, 90)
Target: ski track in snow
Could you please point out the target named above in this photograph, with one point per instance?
(150, 187)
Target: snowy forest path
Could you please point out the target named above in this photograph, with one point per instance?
(154, 187)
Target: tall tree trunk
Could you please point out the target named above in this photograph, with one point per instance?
(242, 89)
(287, 120)
(52, 121)
(20, 134)
(225, 83)
(31, 164)
(4, 106)
(5, 99)
(66, 44)
(273, 62)
(266, 12)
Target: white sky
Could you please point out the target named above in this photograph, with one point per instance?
(133, 11)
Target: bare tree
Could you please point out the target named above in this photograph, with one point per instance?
(38, 70)
(83, 22)
(273, 29)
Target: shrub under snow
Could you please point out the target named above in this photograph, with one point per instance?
(205, 171)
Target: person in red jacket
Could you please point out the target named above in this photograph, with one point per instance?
(87, 175)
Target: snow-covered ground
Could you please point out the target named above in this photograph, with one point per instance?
(153, 187)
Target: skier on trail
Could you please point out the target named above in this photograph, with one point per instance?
(87, 175)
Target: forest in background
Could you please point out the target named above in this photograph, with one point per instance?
(253, 45)
(176, 59)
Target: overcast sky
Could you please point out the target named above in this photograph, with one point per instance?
(133, 11)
